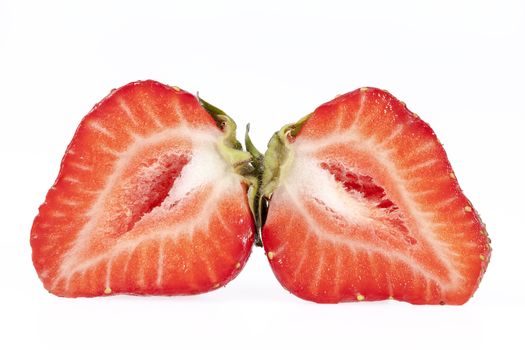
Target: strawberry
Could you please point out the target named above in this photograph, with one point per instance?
(364, 205)
(150, 199)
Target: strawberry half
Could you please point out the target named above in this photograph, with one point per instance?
(364, 205)
(149, 200)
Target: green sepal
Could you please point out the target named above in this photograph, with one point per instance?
(230, 148)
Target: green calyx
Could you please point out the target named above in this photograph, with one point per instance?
(230, 148)
(277, 155)
(261, 172)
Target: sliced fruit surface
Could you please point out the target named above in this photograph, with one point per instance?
(147, 201)
(364, 205)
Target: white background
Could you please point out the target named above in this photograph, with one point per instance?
(459, 65)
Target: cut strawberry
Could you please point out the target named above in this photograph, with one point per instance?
(149, 200)
(364, 205)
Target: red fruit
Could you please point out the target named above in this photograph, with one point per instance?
(148, 200)
(365, 206)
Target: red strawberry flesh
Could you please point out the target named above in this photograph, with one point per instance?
(364, 205)
(145, 201)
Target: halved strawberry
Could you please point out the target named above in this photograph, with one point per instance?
(365, 206)
(148, 200)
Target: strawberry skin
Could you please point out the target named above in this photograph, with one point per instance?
(364, 205)
(147, 201)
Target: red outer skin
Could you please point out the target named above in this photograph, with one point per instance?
(319, 270)
(196, 263)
